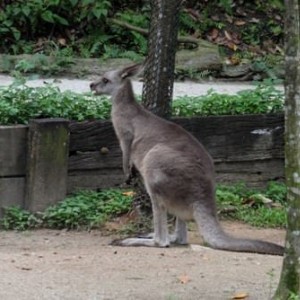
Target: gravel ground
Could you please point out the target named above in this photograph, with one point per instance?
(60, 265)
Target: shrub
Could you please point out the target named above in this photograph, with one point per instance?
(83, 210)
(20, 103)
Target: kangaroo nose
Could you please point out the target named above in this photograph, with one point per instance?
(92, 85)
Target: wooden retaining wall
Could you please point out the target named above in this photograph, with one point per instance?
(42, 162)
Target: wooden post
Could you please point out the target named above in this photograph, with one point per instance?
(12, 165)
(47, 163)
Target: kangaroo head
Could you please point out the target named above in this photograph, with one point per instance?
(112, 81)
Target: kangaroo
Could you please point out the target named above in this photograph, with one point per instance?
(177, 171)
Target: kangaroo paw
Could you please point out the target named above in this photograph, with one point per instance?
(139, 242)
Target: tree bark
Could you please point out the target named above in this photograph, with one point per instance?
(158, 74)
(160, 63)
(289, 285)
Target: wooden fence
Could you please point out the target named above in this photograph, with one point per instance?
(43, 161)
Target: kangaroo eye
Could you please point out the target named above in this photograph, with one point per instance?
(105, 80)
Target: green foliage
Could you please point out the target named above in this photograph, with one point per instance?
(39, 63)
(263, 99)
(84, 27)
(23, 20)
(226, 5)
(80, 26)
(90, 209)
(247, 204)
(263, 216)
(127, 43)
(276, 191)
(18, 219)
(85, 209)
(19, 103)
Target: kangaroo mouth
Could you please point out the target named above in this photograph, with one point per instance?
(95, 92)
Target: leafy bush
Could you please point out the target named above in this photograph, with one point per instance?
(86, 209)
(241, 203)
(18, 104)
(89, 209)
(263, 99)
(80, 26)
(84, 27)
(276, 191)
(29, 20)
(19, 219)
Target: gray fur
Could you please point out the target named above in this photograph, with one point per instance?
(177, 171)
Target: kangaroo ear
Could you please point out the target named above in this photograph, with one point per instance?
(131, 71)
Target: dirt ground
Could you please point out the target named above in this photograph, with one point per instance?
(47, 264)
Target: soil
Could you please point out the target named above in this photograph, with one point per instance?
(48, 264)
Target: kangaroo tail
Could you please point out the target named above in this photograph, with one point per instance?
(216, 238)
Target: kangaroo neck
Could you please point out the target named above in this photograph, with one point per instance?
(124, 95)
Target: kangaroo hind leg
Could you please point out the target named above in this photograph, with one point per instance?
(180, 233)
(160, 237)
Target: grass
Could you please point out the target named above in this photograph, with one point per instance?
(90, 209)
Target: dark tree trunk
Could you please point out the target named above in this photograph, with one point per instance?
(162, 43)
(159, 73)
(289, 285)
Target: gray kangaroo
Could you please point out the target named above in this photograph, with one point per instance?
(177, 171)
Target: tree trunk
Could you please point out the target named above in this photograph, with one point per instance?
(158, 75)
(162, 43)
(289, 284)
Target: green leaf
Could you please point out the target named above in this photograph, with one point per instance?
(16, 11)
(87, 2)
(55, 2)
(60, 20)
(99, 12)
(4, 30)
(47, 16)
(73, 2)
(26, 11)
(16, 33)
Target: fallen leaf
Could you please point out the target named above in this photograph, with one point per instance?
(184, 279)
(254, 20)
(214, 33)
(239, 23)
(62, 41)
(229, 19)
(232, 46)
(129, 193)
(228, 35)
(240, 295)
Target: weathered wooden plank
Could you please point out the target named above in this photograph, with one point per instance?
(105, 158)
(253, 173)
(228, 137)
(47, 162)
(95, 179)
(13, 149)
(239, 137)
(11, 193)
(92, 136)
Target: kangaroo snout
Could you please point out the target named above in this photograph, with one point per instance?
(92, 86)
